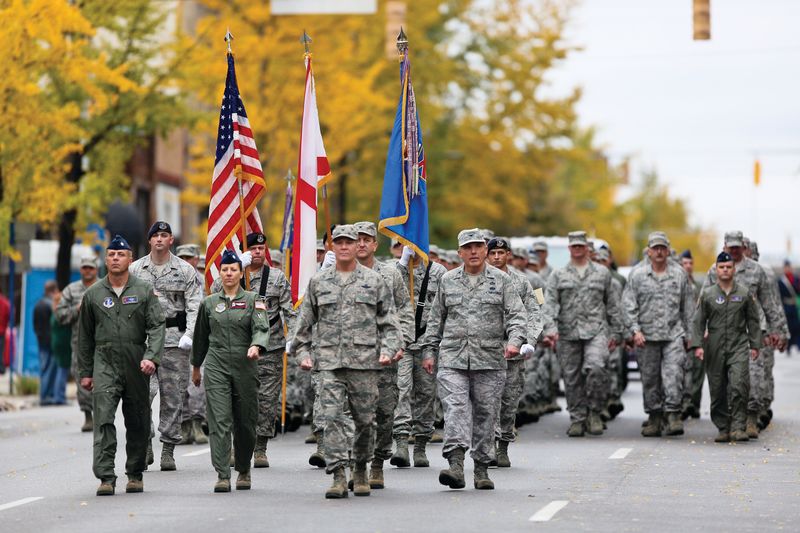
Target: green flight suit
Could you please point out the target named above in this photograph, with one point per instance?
(224, 331)
(734, 327)
(116, 333)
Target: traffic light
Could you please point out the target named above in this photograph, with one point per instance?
(701, 18)
(757, 173)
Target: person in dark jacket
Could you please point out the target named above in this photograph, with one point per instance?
(42, 312)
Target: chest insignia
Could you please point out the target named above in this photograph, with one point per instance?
(720, 299)
(220, 307)
(130, 300)
(108, 303)
(736, 298)
(238, 305)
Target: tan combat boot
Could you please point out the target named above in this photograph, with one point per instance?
(652, 428)
(260, 453)
(376, 474)
(453, 476)
(400, 458)
(594, 424)
(243, 481)
(198, 435)
(106, 487)
(737, 435)
(360, 482)
(503, 460)
(134, 485)
(317, 458)
(339, 487)
(674, 424)
(420, 459)
(576, 429)
(752, 425)
(723, 436)
(186, 433)
(222, 485)
(481, 477)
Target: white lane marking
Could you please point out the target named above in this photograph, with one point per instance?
(548, 511)
(622, 453)
(198, 452)
(23, 501)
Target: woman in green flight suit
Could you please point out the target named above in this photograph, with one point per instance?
(231, 331)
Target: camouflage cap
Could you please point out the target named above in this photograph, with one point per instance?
(754, 250)
(577, 238)
(187, 250)
(533, 259)
(468, 236)
(487, 234)
(367, 228)
(89, 261)
(603, 255)
(746, 242)
(433, 249)
(520, 252)
(657, 238)
(347, 231)
(201, 264)
(539, 246)
(320, 245)
(395, 242)
(734, 238)
(276, 256)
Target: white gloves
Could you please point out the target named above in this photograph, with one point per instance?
(329, 261)
(246, 258)
(408, 253)
(527, 350)
(185, 343)
(288, 346)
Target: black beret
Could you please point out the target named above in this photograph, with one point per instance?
(686, 254)
(498, 243)
(118, 243)
(254, 238)
(724, 257)
(158, 226)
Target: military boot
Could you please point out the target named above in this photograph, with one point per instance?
(198, 436)
(260, 453)
(106, 488)
(149, 459)
(168, 457)
(737, 435)
(351, 483)
(134, 485)
(186, 433)
(400, 458)
(88, 422)
(312, 438)
(437, 437)
(360, 482)
(481, 477)
(615, 407)
(752, 425)
(420, 459)
(339, 487)
(723, 436)
(222, 485)
(243, 481)
(652, 427)
(576, 429)
(594, 424)
(317, 458)
(502, 454)
(453, 476)
(376, 474)
(674, 424)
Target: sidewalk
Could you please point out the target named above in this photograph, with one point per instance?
(16, 403)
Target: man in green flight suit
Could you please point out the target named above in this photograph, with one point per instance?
(121, 335)
(730, 314)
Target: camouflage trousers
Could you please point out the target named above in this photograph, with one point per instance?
(301, 390)
(615, 362)
(536, 386)
(84, 396)
(358, 390)
(384, 414)
(318, 415)
(270, 377)
(762, 384)
(416, 397)
(661, 365)
(509, 401)
(471, 402)
(170, 382)
(194, 400)
(583, 366)
(693, 376)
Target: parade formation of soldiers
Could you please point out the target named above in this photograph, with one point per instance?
(380, 353)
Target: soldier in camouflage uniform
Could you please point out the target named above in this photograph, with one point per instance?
(67, 313)
(729, 313)
(499, 251)
(388, 392)
(659, 307)
(356, 335)
(615, 359)
(194, 400)
(541, 250)
(272, 287)
(477, 321)
(775, 331)
(175, 283)
(415, 413)
(582, 313)
(694, 374)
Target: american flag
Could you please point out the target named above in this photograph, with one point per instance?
(236, 149)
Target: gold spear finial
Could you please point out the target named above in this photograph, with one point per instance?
(229, 39)
(402, 42)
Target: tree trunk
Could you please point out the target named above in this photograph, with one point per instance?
(66, 229)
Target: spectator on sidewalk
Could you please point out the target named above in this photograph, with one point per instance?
(61, 350)
(42, 312)
(5, 316)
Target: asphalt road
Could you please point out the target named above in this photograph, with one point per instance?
(617, 482)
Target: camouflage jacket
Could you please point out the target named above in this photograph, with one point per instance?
(468, 326)
(434, 280)
(354, 317)
(753, 277)
(67, 311)
(400, 298)
(177, 289)
(660, 307)
(582, 307)
(533, 309)
(278, 298)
